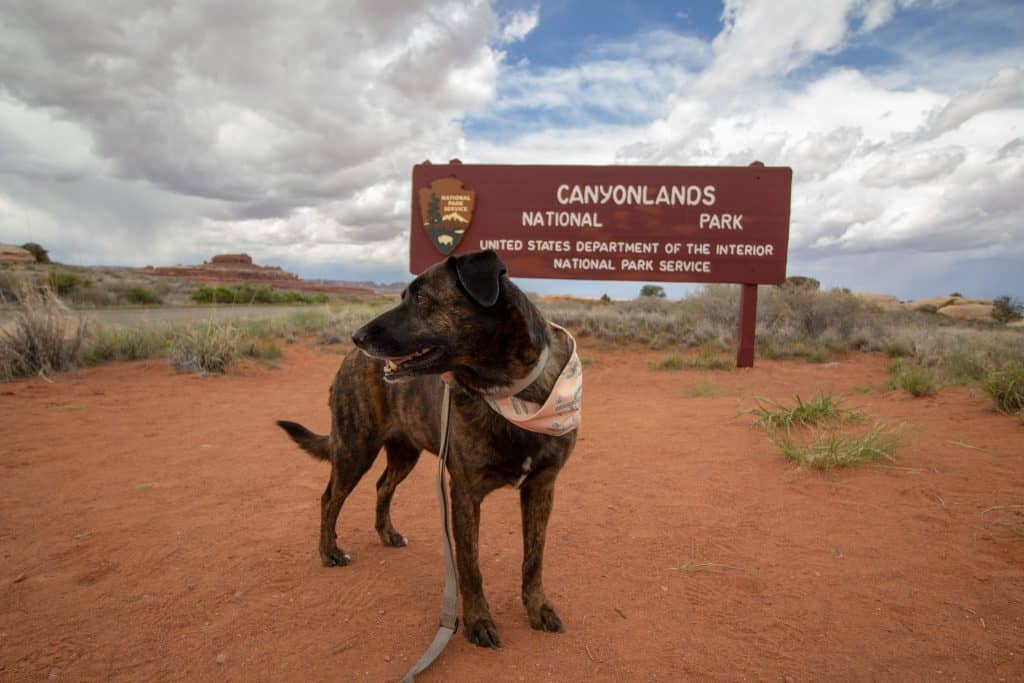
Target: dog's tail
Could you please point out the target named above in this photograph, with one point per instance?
(314, 444)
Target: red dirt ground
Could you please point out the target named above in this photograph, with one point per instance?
(151, 522)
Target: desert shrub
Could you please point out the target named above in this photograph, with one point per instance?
(898, 348)
(1005, 386)
(213, 295)
(652, 291)
(246, 294)
(40, 254)
(1006, 309)
(802, 281)
(141, 295)
(62, 282)
(42, 337)
(913, 379)
(204, 348)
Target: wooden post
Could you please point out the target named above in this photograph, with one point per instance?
(748, 323)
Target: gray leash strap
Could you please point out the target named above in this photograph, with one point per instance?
(450, 597)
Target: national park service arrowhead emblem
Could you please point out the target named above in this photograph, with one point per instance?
(446, 208)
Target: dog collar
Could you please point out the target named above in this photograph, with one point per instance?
(560, 413)
(515, 388)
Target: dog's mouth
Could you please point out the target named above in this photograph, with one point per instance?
(420, 362)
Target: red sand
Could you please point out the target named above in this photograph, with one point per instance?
(150, 522)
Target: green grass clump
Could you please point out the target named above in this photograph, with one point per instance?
(816, 433)
(204, 348)
(828, 449)
(264, 294)
(128, 343)
(819, 408)
(142, 295)
(265, 352)
(668, 363)
(1005, 386)
(707, 359)
(63, 281)
(916, 381)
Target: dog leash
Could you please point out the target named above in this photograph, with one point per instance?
(450, 598)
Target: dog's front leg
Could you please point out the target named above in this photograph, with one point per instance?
(476, 615)
(535, 501)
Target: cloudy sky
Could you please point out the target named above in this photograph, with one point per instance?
(163, 132)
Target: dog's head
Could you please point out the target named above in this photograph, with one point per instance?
(462, 315)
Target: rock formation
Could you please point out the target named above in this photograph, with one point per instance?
(10, 253)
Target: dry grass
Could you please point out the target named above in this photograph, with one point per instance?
(204, 348)
(42, 337)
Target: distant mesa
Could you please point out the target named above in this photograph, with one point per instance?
(239, 268)
(10, 253)
(234, 259)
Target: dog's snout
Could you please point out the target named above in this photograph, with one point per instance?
(360, 336)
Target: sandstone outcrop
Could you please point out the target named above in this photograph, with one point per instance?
(10, 253)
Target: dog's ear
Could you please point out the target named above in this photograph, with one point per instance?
(480, 274)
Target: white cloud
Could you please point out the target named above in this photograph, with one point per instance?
(1005, 89)
(249, 113)
(143, 133)
(519, 24)
(769, 37)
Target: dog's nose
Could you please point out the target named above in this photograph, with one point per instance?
(359, 336)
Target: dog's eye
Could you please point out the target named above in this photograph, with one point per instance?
(421, 299)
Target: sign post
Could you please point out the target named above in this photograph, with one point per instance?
(726, 224)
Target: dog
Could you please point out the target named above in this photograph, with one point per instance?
(465, 319)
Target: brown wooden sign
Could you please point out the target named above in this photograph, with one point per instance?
(644, 223)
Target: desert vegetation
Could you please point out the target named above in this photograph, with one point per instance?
(795, 321)
(822, 434)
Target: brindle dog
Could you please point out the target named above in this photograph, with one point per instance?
(465, 317)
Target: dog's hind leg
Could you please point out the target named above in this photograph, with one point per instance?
(347, 468)
(535, 501)
(402, 457)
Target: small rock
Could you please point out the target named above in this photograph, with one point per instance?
(221, 658)
(387, 658)
(19, 578)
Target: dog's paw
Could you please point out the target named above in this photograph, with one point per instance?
(484, 633)
(393, 539)
(334, 557)
(546, 619)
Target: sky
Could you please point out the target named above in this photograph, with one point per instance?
(138, 132)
